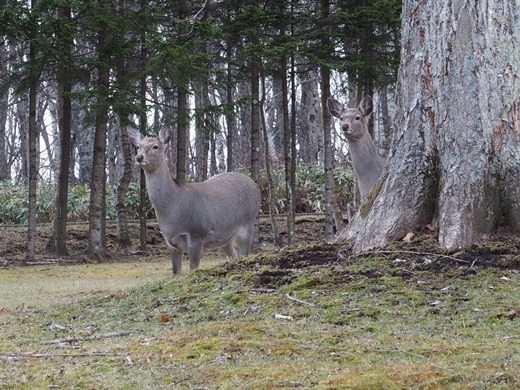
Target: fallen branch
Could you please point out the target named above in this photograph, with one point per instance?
(89, 338)
(18, 357)
(388, 252)
(299, 300)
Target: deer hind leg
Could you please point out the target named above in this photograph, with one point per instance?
(194, 252)
(230, 248)
(244, 238)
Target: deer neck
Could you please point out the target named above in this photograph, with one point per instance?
(162, 189)
(363, 152)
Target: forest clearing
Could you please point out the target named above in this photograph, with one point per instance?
(311, 317)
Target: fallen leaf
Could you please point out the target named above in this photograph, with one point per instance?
(165, 318)
(408, 237)
(431, 227)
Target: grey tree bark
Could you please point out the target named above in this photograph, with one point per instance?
(311, 130)
(97, 207)
(5, 173)
(57, 241)
(455, 155)
(32, 167)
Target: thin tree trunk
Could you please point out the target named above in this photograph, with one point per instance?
(255, 122)
(4, 107)
(123, 235)
(59, 234)
(143, 195)
(328, 157)
(97, 208)
(269, 177)
(230, 115)
(182, 133)
(32, 159)
(287, 146)
(454, 158)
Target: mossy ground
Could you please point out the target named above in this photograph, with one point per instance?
(310, 317)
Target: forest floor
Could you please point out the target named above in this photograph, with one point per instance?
(13, 240)
(311, 317)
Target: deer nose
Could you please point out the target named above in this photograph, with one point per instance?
(345, 127)
(139, 158)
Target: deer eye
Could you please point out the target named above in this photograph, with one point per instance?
(156, 147)
(358, 117)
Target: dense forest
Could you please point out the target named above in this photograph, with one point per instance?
(241, 84)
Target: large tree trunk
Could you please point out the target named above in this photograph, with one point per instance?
(454, 157)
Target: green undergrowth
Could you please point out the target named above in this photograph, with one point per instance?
(311, 317)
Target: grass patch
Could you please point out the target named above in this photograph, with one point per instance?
(303, 319)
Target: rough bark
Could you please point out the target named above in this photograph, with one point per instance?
(311, 134)
(327, 144)
(288, 155)
(454, 157)
(64, 134)
(5, 173)
(32, 154)
(123, 235)
(182, 133)
(97, 207)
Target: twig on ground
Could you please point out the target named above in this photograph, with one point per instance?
(18, 357)
(89, 338)
(389, 252)
(299, 300)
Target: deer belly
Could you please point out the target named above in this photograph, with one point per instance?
(217, 239)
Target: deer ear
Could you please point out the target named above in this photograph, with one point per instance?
(165, 135)
(366, 106)
(335, 107)
(134, 135)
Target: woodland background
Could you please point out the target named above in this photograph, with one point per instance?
(241, 84)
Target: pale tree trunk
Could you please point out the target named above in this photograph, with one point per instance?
(309, 115)
(125, 154)
(454, 157)
(269, 177)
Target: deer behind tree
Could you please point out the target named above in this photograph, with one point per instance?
(219, 212)
(368, 164)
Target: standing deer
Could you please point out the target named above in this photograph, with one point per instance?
(219, 212)
(368, 164)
